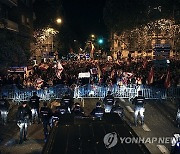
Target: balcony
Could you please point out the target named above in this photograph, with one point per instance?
(8, 24)
(9, 2)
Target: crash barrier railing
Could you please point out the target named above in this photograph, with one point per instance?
(91, 91)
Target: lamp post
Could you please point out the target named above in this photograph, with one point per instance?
(58, 21)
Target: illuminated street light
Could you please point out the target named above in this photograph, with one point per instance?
(93, 36)
(59, 20)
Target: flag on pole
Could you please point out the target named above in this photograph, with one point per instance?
(167, 82)
(38, 83)
(150, 76)
(59, 69)
(128, 75)
(92, 50)
(99, 71)
(145, 62)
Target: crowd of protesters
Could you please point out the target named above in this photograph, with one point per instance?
(102, 73)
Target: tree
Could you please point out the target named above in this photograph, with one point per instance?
(123, 15)
(12, 53)
(46, 14)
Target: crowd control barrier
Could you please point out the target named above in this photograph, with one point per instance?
(90, 91)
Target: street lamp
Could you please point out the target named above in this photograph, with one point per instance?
(92, 35)
(58, 20)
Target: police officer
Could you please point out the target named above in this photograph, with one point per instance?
(62, 109)
(4, 109)
(175, 144)
(67, 101)
(34, 105)
(118, 109)
(98, 112)
(109, 99)
(45, 114)
(139, 102)
(77, 110)
(24, 117)
(178, 113)
(108, 102)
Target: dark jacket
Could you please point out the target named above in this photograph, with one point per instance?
(108, 100)
(119, 110)
(4, 105)
(34, 102)
(139, 101)
(67, 101)
(62, 110)
(98, 112)
(45, 113)
(23, 114)
(77, 111)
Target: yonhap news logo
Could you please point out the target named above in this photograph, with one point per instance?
(111, 140)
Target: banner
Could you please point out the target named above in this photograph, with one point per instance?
(84, 75)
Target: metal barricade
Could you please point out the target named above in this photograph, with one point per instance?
(45, 94)
(95, 91)
(92, 91)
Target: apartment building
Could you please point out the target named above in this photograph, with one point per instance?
(16, 20)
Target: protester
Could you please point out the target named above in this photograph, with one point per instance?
(102, 72)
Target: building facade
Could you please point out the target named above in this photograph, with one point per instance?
(142, 42)
(16, 20)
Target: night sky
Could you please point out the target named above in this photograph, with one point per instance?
(85, 17)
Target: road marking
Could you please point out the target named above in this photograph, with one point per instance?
(146, 128)
(130, 109)
(163, 149)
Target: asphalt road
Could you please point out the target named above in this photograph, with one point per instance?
(10, 137)
(159, 123)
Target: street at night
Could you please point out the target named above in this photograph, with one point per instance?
(89, 77)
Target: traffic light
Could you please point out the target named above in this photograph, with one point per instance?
(100, 41)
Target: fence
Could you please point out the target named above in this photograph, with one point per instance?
(94, 91)
(45, 94)
(91, 91)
